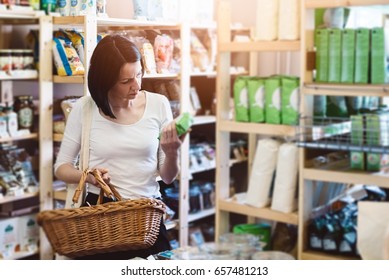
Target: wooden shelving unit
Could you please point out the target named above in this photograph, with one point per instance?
(225, 127)
(8, 19)
(339, 173)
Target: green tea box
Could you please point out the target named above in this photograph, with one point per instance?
(378, 57)
(256, 95)
(241, 102)
(348, 56)
(362, 48)
(334, 55)
(357, 158)
(290, 98)
(377, 134)
(321, 42)
(273, 100)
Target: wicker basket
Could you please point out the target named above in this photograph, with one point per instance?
(114, 226)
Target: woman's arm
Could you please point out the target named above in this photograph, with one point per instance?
(170, 144)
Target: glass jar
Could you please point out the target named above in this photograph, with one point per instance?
(17, 60)
(5, 60)
(24, 107)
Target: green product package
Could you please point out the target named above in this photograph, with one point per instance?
(241, 101)
(377, 134)
(273, 100)
(362, 48)
(290, 97)
(321, 41)
(357, 158)
(378, 57)
(334, 55)
(256, 94)
(348, 56)
(183, 123)
(262, 230)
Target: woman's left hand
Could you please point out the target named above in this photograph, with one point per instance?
(170, 142)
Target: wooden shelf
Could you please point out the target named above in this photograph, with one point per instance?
(137, 24)
(68, 79)
(201, 214)
(257, 128)
(260, 46)
(19, 75)
(262, 213)
(312, 255)
(347, 176)
(68, 20)
(19, 138)
(315, 4)
(21, 255)
(346, 89)
(7, 199)
(199, 120)
(16, 17)
(161, 76)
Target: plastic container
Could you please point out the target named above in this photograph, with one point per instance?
(243, 245)
(272, 255)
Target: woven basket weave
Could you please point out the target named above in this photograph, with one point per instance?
(114, 226)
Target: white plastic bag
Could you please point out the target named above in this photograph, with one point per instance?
(372, 230)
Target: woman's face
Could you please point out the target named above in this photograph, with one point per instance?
(129, 82)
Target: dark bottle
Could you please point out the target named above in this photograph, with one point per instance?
(24, 107)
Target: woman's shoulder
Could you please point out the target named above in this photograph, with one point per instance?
(156, 99)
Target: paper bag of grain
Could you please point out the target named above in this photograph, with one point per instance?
(262, 172)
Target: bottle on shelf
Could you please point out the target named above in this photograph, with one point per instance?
(12, 121)
(24, 108)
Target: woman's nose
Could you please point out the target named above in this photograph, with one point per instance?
(136, 84)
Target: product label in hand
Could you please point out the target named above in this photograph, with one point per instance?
(183, 123)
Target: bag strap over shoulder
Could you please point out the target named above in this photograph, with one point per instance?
(87, 112)
(87, 123)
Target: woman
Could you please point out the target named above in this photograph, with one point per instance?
(124, 135)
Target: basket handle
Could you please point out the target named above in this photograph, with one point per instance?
(108, 189)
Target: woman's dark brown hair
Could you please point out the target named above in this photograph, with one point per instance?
(110, 54)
